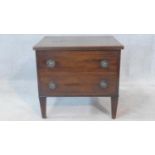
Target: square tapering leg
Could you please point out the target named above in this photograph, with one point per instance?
(43, 106)
(114, 105)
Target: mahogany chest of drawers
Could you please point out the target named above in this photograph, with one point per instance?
(78, 66)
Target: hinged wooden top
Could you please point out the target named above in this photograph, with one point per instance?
(79, 43)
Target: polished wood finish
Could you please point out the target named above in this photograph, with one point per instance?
(78, 42)
(81, 61)
(78, 84)
(76, 68)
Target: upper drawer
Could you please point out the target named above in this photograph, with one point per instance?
(78, 61)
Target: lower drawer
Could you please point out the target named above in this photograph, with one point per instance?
(78, 84)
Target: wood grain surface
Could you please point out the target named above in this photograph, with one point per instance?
(81, 61)
(92, 42)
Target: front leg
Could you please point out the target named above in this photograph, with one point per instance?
(43, 106)
(114, 104)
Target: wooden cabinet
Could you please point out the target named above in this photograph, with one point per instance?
(78, 66)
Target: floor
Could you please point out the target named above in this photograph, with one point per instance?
(19, 102)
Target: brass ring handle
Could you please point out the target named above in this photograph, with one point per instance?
(52, 86)
(104, 63)
(50, 63)
(104, 84)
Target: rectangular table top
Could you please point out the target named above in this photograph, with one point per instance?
(77, 42)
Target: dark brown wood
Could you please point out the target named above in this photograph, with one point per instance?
(81, 61)
(79, 42)
(77, 69)
(43, 106)
(78, 84)
(114, 104)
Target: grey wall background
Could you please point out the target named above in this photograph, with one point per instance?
(17, 59)
(138, 58)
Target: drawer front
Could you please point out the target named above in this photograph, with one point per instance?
(81, 61)
(77, 84)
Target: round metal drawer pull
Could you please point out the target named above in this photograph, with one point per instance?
(104, 64)
(50, 63)
(104, 84)
(52, 86)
